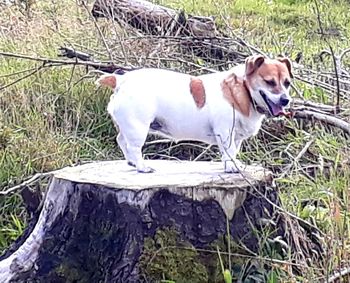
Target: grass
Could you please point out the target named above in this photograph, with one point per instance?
(57, 117)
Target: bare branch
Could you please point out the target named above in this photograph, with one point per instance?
(105, 67)
(99, 30)
(336, 61)
(37, 177)
(338, 275)
(327, 119)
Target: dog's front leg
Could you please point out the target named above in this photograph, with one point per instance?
(229, 149)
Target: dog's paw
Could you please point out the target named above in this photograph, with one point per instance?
(145, 170)
(131, 164)
(233, 166)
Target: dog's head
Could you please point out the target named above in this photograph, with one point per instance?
(268, 81)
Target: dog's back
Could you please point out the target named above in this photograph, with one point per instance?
(161, 98)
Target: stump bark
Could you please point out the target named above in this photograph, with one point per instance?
(95, 218)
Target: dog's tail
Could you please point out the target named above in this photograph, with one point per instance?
(109, 80)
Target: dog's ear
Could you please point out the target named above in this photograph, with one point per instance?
(236, 94)
(109, 80)
(288, 63)
(252, 63)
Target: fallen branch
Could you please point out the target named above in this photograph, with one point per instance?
(151, 19)
(108, 67)
(295, 160)
(338, 275)
(23, 77)
(37, 177)
(154, 19)
(327, 119)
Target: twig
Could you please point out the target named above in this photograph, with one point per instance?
(296, 159)
(22, 78)
(72, 53)
(99, 30)
(336, 63)
(314, 105)
(331, 120)
(18, 73)
(107, 67)
(272, 203)
(26, 183)
(203, 152)
(338, 275)
(158, 141)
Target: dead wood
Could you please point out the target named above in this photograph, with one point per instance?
(156, 20)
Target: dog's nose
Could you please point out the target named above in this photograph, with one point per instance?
(284, 100)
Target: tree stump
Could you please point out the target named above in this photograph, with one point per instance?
(95, 217)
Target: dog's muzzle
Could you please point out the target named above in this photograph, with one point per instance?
(275, 109)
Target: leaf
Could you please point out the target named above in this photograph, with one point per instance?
(227, 276)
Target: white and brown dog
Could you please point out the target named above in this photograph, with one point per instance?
(222, 108)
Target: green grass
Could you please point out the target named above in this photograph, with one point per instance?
(55, 118)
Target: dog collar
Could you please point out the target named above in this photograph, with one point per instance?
(257, 108)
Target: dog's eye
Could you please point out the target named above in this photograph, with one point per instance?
(270, 82)
(286, 84)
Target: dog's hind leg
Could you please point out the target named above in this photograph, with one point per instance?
(123, 146)
(132, 139)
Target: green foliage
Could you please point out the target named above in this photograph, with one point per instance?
(167, 257)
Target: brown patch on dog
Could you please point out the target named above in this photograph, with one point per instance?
(197, 91)
(237, 94)
(109, 80)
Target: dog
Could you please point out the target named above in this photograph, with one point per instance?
(222, 108)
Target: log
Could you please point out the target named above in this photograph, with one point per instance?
(95, 218)
(154, 19)
(198, 35)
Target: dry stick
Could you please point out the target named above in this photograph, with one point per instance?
(328, 75)
(203, 152)
(316, 82)
(99, 31)
(273, 204)
(331, 120)
(333, 56)
(316, 105)
(18, 73)
(296, 159)
(26, 183)
(24, 77)
(96, 65)
(338, 275)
